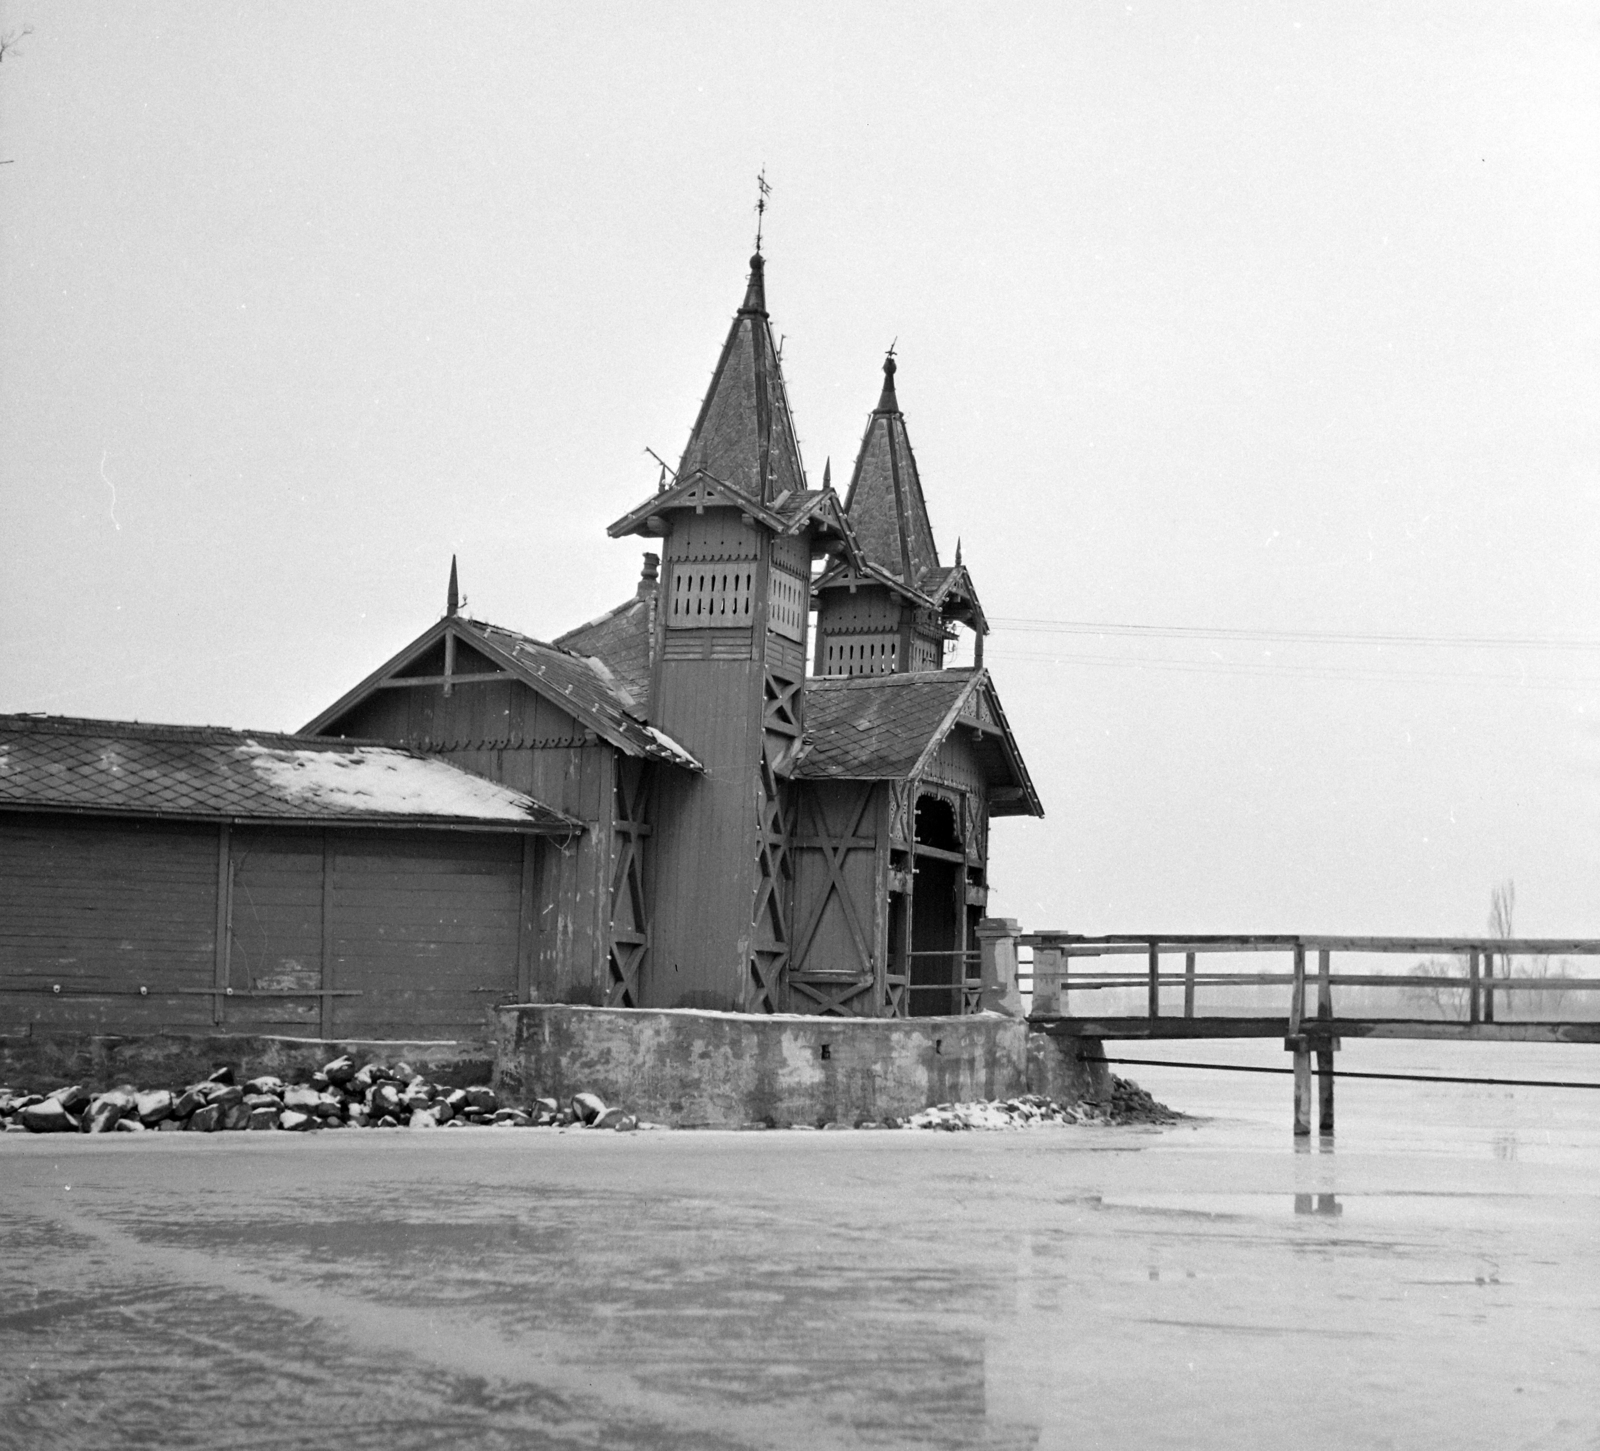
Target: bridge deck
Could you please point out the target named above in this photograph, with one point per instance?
(1315, 1029)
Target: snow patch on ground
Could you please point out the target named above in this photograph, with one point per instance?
(374, 781)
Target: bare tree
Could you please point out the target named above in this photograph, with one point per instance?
(9, 41)
(1447, 1001)
(1502, 924)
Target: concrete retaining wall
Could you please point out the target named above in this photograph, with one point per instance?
(708, 1069)
(1068, 1068)
(40, 1061)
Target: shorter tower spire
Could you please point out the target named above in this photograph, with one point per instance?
(827, 473)
(452, 595)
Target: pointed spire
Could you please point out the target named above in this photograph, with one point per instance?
(885, 501)
(744, 434)
(958, 551)
(827, 473)
(452, 595)
(887, 402)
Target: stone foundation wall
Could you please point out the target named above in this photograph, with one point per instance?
(673, 1066)
(706, 1069)
(43, 1061)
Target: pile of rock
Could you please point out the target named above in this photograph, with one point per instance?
(1128, 1104)
(338, 1095)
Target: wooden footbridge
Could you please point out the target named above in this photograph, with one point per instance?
(1481, 989)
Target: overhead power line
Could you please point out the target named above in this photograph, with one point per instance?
(1023, 625)
(1310, 672)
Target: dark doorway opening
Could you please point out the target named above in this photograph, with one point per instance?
(937, 916)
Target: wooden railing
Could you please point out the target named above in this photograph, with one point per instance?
(1054, 982)
(964, 981)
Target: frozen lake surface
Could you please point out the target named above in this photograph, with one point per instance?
(1431, 1281)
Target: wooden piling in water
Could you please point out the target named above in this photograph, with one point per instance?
(1302, 1084)
(1325, 1089)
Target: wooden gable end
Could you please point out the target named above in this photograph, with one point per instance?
(487, 711)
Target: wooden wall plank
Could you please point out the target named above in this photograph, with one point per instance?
(108, 906)
(426, 929)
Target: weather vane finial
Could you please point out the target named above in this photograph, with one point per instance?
(763, 192)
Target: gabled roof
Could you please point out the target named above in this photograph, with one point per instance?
(885, 501)
(890, 727)
(787, 513)
(846, 572)
(125, 768)
(586, 688)
(952, 586)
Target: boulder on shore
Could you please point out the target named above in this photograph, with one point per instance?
(48, 1117)
(153, 1106)
(74, 1098)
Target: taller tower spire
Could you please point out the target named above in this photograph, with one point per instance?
(744, 434)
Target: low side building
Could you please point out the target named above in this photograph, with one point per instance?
(188, 879)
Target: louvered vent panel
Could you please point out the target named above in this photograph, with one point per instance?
(861, 655)
(709, 596)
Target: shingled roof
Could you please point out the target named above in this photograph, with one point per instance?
(127, 768)
(889, 727)
(620, 638)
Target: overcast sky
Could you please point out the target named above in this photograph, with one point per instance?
(1252, 323)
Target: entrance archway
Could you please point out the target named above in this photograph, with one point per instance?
(937, 915)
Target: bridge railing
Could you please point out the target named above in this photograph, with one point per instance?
(1460, 981)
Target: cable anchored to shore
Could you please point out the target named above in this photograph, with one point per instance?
(1349, 1073)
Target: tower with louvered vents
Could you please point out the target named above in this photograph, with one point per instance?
(738, 530)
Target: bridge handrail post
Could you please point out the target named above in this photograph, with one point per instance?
(1324, 983)
(1474, 991)
(1188, 984)
(1155, 980)
(997, 952)
(1297, 994)
(1048, 971)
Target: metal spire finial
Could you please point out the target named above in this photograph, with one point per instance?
(452, 596)
(764, 191)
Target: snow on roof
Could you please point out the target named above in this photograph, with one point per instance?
(378, 782)
(198, 772)
(667, 743)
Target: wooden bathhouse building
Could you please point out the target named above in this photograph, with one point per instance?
(753, 785)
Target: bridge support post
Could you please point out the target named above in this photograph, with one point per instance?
(1067, 1066)
(1325, 1087)
(1300, 1046)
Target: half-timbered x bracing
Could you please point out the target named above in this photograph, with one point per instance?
(898, 777)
